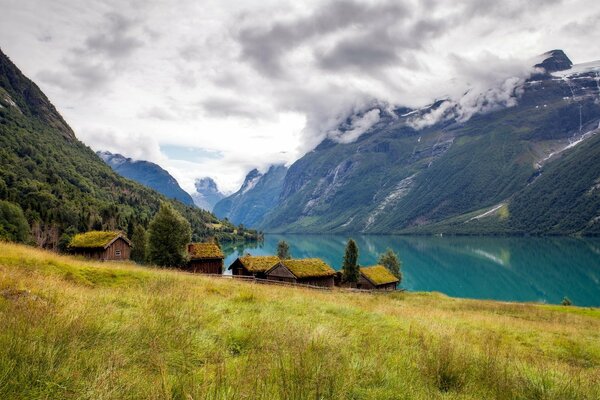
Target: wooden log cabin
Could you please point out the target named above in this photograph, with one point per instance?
(205, 258)
(376, 277)
(307, 271)
(101, 245)
(255, 266)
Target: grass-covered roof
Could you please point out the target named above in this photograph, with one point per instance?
(378, 275)
(204, 250)
(308, 268)
(258, 264)
(94, 239)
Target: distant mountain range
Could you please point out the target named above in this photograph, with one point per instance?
(258, 195)
(529, 164)
(148, 174)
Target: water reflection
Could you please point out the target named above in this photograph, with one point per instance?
(512, 269)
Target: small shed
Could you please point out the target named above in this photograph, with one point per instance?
(101, 245)
(205, 258)
(255, 266)
(376, 277)
(307, 271)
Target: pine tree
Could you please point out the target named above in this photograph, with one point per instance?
(168, 236)
(139, 242)
(390, 260)
(283, 250)
(350, 266)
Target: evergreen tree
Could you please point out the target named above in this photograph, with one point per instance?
(350, 266)
(283, 250)
(139, 244)
(168, 236)
(390, 260)
(13, 224)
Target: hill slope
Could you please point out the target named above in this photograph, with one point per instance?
(148, 174)
(75, 329)
(61, 184)
(432, 170)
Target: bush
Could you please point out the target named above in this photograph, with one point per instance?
(13, 224)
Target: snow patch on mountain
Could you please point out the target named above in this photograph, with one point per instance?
(399, 191)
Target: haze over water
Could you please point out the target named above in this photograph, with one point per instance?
(506, 268)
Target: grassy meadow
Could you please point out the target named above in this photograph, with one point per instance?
(74, 329)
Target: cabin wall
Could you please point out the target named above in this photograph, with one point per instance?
(206, 266)
(326, 281)
(281, 274)
(118, 250)
(364, 284)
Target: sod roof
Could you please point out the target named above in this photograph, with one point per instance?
(256, 264)
(378, 275)
(94, 239)
(204, 250)
(308, 268)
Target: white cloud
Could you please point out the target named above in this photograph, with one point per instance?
(264, 81)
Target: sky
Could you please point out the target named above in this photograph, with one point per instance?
(217, 88)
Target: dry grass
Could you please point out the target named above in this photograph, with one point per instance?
(77, 329)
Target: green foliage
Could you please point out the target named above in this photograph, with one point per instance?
(283, 250)
(566, 301)
(390, 260)
(350, 268)
(168, 235)
(13, 225)
(139, 244)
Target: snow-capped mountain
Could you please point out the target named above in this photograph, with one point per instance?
(207, 193)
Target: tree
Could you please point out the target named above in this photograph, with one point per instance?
(13, 224)
(139, 243)
(283, 250)
(350, 266)
(168, 236)
(390, 260)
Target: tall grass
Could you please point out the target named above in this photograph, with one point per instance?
(73, 329)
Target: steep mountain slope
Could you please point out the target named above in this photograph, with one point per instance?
(409, 174)
(207, 193)
(148, 174)
(61, 184)
(257, 196)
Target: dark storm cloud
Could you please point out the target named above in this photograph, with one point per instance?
(116, 40)
(220, 106)
(263, 46)
(380, 46)
(93, 64)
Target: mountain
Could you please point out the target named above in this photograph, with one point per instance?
(62, 186)
(257, 196)
(207, 193)
(468, 167)
(148, 174)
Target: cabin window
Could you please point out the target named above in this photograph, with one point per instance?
(118, 253)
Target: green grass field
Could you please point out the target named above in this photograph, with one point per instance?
(74, 329)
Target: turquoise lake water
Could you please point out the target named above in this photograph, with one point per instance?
(500, 268)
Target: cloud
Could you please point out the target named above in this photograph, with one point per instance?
(95, 62)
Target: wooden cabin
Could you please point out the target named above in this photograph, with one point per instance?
(307, 271)
(100, 245)
(255, 266)
(376, 277)
(205, 258)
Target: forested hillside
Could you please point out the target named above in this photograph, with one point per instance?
(61, 185)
